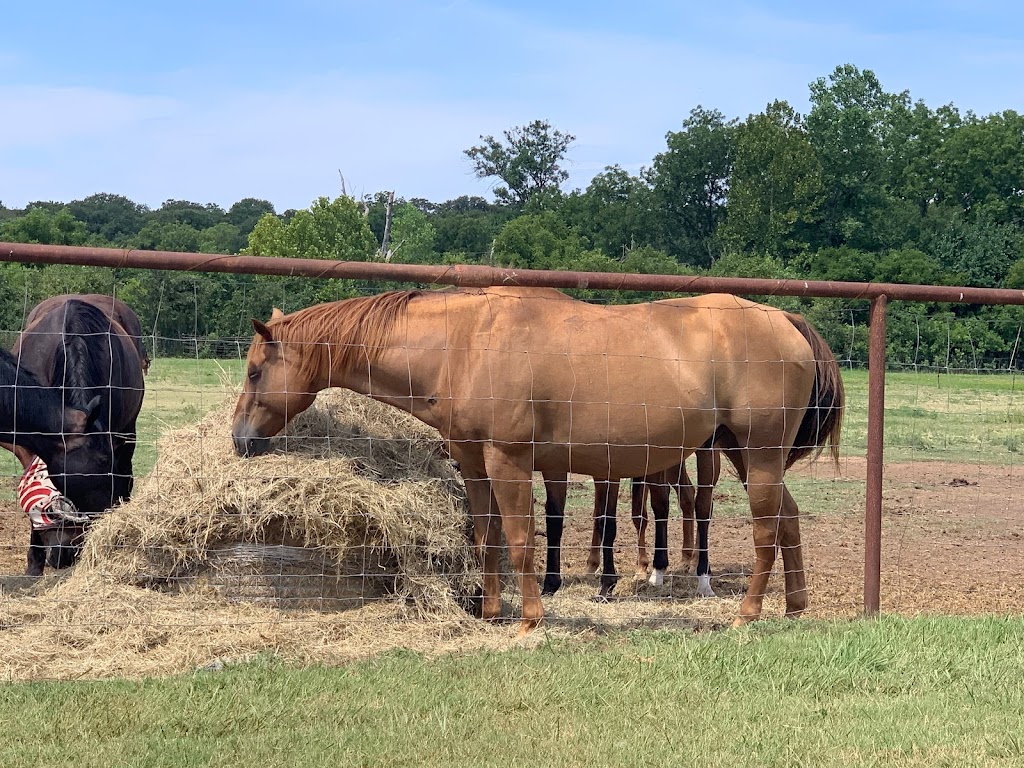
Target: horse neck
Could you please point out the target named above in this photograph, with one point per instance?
(79, 370)
(398, 368)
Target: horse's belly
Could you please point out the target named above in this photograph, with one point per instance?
(606, 461)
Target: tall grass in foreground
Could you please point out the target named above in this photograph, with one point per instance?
(895, 692)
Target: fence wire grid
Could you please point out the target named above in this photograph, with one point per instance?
(352, 533)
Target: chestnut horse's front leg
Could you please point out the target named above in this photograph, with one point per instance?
(486, 528)
(510, 470)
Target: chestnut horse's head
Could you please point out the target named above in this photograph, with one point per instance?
(278, 386)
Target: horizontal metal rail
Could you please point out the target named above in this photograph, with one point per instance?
(482, 276)
(879, 294)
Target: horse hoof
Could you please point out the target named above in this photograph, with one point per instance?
(608, 584)
(526, 626)
(657, 577)
(551, 584)
(704, 586)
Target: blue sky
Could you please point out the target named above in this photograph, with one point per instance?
(216, 101)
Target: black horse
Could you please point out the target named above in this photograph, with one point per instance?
(80, 350)
(36, 417)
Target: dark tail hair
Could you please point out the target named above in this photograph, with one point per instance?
(823, 421)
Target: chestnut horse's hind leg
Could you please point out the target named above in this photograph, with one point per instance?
(709, 469)
(765, 491)
(660, 503)
(606, 496)
(555, 488)
(511, 478)
(792, 556)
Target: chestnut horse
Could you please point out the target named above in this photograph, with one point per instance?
(522, 379)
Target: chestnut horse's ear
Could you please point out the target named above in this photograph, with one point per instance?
(262, 330)
(276, 314)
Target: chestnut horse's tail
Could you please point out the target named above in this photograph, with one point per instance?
(823, 421)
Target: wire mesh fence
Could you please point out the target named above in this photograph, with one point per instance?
(353, 533)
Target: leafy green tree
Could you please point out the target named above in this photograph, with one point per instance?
(776, 189)
(849, 126)
(166, 236)
(844, 263)
(49, 206)
(689, 182)
(326, 230)
(41, 225)
(220, 238)
(412, 236)
(978, 252)
(614, 213)
(246, 212)
(112, 217)
(982, 167)
(538, 241)
(909, 266)
(195, 215)
(528, 161)
(467, 226)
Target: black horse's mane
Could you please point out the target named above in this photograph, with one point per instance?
(83, 360)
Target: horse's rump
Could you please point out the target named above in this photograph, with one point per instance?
(119, 314)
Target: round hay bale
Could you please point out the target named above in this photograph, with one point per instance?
(357, 500)
(287, 577)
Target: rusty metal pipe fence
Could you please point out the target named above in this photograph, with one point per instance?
(878, 294)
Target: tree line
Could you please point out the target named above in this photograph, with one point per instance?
(869, 185)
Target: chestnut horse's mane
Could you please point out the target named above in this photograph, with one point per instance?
(340, 333)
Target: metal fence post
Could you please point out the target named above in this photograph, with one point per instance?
(876, 433)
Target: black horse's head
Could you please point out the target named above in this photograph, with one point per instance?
(89, 473)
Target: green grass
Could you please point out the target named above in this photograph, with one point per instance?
(895, 692)
(929, 416)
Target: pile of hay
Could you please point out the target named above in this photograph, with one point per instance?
(356, 501)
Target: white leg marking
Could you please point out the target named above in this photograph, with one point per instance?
(657, 577)
(704, 586)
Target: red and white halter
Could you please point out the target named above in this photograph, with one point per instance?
(42, 502)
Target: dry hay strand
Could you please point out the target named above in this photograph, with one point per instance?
(85, 627)
(355, 501)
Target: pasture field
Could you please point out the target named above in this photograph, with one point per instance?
(895, 692)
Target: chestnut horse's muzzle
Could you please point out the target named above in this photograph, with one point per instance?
(247, 444)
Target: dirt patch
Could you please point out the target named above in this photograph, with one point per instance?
(951, 544)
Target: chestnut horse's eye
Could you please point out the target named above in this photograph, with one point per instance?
(254, 375)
